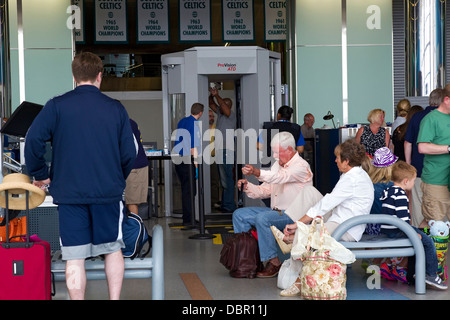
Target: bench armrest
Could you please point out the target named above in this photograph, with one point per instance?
(376, 218)
(412, 235)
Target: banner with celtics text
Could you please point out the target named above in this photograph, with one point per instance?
(194, 20)
(152, 21)
(111, 21)
(275, 22)
(238, 21)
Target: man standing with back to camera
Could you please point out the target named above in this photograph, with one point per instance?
(93, 151)
(187, 145)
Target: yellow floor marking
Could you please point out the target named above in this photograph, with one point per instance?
(217, 239)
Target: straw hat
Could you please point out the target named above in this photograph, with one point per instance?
(17, 184)
(383, 157)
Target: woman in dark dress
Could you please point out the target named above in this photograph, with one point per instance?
(398, 137)
(374, 136)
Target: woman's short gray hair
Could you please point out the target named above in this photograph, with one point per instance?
(284, 140)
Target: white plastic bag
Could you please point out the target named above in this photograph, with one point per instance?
(289, 272)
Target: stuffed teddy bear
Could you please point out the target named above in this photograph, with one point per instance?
(439, 231)
(439, 228)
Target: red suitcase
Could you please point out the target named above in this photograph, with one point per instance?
(25, 268)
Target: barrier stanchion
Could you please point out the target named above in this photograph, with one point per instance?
(191, 189)
(202, 235)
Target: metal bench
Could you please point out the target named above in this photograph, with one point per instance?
(138, 268)
(44, 222)
(382, 247)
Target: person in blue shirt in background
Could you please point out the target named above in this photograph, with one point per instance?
(413, 157)
(187, 144)
(93, 151)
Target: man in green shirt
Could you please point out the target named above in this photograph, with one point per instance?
(434, 141)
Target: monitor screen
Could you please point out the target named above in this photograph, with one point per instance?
(21, 119)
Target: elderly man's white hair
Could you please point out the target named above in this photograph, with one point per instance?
(284, 140)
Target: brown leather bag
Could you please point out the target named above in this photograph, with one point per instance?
(240, 255)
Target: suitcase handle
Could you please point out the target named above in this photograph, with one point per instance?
(11, 245)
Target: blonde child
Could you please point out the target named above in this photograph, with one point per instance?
(395, 202)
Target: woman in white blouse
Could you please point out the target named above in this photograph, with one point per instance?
(352, 196)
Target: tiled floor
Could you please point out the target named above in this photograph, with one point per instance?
(201, 257)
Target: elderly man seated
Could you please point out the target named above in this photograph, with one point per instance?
(287, 176)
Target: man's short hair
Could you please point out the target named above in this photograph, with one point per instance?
(402, 170)
(436, 97)
(86, 66)
(308, 116)
(283, 139)
(197, 108)
(446, 92)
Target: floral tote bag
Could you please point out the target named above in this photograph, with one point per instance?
(322, 278)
